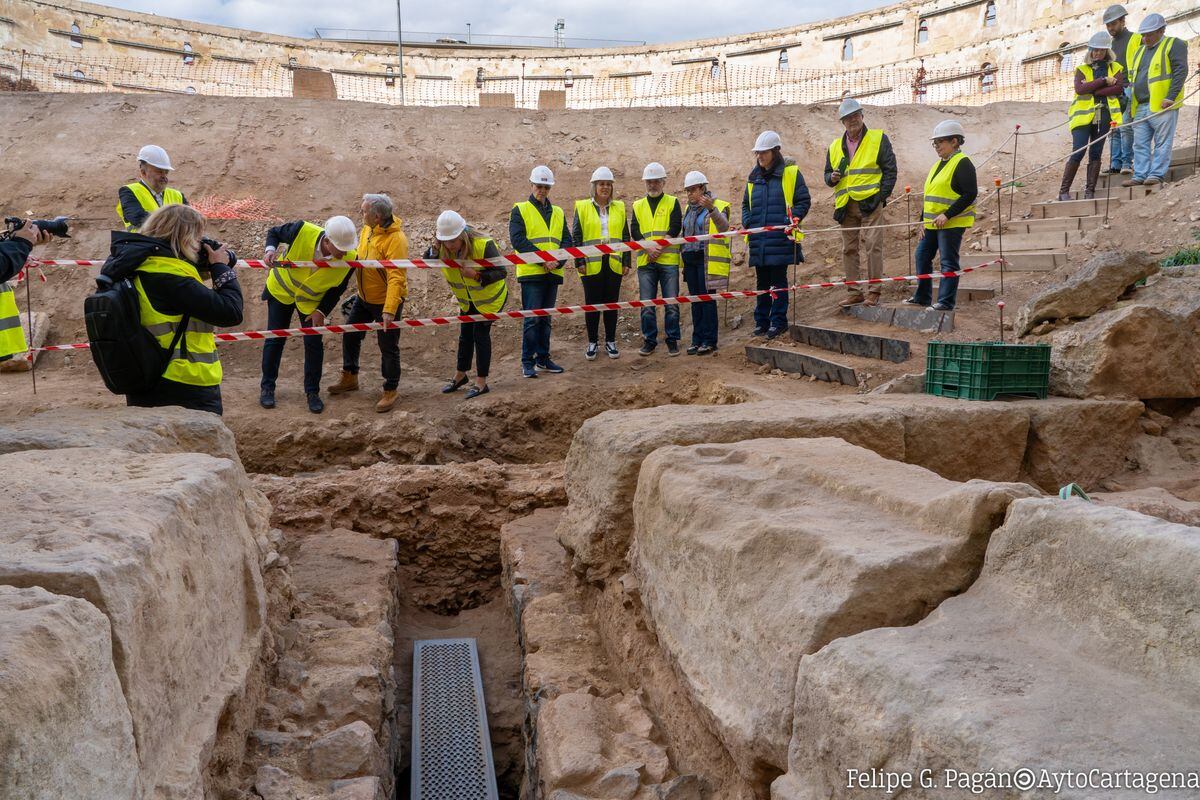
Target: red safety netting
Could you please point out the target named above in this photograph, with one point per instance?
(247, 208)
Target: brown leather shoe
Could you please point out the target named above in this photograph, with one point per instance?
(1132, 182)
(872, 298)
(852, 299)
(347, 383)
(386, 401)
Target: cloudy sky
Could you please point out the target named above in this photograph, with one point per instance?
(604, 19)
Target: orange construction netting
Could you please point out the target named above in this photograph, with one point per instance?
(247, 208)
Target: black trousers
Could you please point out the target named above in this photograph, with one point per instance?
(475, 339)
(603, 287)
(389, 343)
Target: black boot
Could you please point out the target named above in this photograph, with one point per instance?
(1064, 191)
(1093, 175)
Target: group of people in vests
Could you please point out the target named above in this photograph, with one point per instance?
(860, 167)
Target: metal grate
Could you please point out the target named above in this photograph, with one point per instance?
(451, 749)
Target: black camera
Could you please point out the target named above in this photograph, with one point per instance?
(57, 226)
(202, 258)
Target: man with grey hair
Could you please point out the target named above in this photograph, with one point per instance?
(381, 294)
(1157, 70)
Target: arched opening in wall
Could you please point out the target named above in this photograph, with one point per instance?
(1066, 59)
(188, 58)
(783, 61)
(987, 78)
(847, 50)
(989, 14)
(715, 72)
(923, 31)
(569, 78)
(78, 74)
(190, 90)
(479, 78)
(291, 61)
(76, 39)
(389, 77)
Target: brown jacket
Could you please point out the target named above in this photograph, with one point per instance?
(386, 287)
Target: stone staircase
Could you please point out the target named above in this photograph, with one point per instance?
(809, 344)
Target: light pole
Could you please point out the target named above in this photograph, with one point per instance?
(400, 49)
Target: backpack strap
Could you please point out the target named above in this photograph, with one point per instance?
(176, 339)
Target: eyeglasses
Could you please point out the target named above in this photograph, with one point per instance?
(541, 186)
(942, 140)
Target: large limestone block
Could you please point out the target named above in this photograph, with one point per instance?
(164, 546)
(1077, 648)
(139, 430)
(1074, 441)
(607, 451)
(754, 554)
(1099, 282)
(65, 730)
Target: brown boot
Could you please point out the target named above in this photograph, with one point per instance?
(386, 401)
(1064, 191)
(1093, 175)
(872, 298)
(347, 383)
(852, 299)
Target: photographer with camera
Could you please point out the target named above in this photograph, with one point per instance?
(13, 253)
(168, 261)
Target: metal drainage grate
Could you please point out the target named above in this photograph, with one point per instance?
(451, 749)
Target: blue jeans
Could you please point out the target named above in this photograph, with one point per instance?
(771, 312)
(1157, 131)
(279, 316)
(945, 243)
(535, 338)
(652, 278)
(1120, 147)
(704, 315)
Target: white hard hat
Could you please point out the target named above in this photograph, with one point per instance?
(450, 226)
(654, 171)
(849, 106)
(694, 178)
(767, 140)
(602, 174)
(542, 176)
(1100, 41)
(155, 156)
(1114, 13)
(1152, 23)
(948, 127)
(341, 233)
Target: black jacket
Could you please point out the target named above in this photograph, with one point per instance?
(887, 184)
(521, 244)
(131, 209)
(964, 184)
(577, 235)
(674, 227)
(286, 234)
(12, 257)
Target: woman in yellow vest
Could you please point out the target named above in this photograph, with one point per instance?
(599, 220)
(13, 254)
(1099, 84)
(950, 192)
(478, 290)
(169, 263)
(705, 264)
(308, 292)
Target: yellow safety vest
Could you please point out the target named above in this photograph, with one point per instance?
(589, 225)
(657, 225)
(305, 286)
(718, 252)
(862, 177)
(541, 235)
(790, 172)
(486, 299)
(1083, 111)
(940, 195)
(12, 337)
(171, 197)
(1135, 41)
(194, 361)
(1158, 77)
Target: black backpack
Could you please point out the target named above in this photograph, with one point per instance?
(129, 358)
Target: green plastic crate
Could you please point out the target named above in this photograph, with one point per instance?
(987, 370)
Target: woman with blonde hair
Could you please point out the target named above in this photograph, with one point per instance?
(168, 261)
(1099, 86)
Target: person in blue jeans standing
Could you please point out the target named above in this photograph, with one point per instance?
(1157, 70)
(1125, 43)
(705, 264)
(657, 216)
(949, 210)
(533, 225)
(775, 193)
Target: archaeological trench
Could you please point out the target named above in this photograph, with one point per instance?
(726, 597)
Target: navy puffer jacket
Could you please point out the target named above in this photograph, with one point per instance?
(773, 248)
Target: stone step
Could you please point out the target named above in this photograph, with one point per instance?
(1049, 224)
(850, 343)
(802, 364)
(1073, 208)
(1184, 156)
(1042, 240)
(1176, 172)
(1118, 192)
(1034, 261)
(914, 318)
(971, 294)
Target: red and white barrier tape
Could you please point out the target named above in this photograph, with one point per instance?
(362, 327)
(538, 257)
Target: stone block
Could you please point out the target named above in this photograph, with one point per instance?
(797, 363)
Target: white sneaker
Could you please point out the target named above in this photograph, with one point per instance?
(611, 349)
(590, 353)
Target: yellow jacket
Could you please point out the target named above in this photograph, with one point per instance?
(386, 287)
